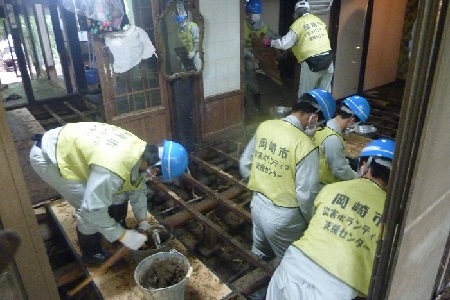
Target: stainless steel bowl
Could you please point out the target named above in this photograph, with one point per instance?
(279, 112)
(366, 130)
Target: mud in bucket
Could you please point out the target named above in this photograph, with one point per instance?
(163, 275)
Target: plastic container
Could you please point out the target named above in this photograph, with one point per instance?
(173, 292)
(91, 76)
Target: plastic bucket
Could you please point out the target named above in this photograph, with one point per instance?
(91, 76)
(165, 238)
(161, 266)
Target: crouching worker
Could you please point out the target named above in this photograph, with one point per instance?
(98, 168)
(334, 258)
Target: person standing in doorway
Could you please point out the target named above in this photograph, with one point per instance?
(253, 26)
(281, 162)
(97, 168)
(334, 258)
(333, 164)
(308, 39)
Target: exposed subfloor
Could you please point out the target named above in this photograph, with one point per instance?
(227, 262)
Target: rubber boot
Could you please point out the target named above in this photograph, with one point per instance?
(119, 213)
(257, 101)
(91, 249)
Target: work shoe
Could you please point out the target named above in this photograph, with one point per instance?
(95, 260)
(91, 250)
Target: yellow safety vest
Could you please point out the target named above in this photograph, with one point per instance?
(280, 146)
(312, 37)
(248, 32)
(343, 234)
(325, 173)
(80, 145)
(186, 36)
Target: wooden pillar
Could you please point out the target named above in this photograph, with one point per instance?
(14, 23)
(16, 213)
(184, 130)
(60, 45)
(75, 49)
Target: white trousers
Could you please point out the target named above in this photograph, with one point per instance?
(298, 277)
(71, 191)
(314, 80)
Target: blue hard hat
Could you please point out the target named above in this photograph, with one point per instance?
(253, 7)
(326, 102)
(174, 161)
(379, 148)
(359, 106)
(180, 18)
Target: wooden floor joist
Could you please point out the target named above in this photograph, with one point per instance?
(54, 115)
(72, 108)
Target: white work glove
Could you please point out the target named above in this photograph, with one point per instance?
(133, 239)
(144, 226)
(191, 55)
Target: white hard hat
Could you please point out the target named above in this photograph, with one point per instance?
(301, 4)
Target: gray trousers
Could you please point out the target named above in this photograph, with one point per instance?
(314, 80)
(71, 191)
(275, 228)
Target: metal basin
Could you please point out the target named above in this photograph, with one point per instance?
(279, 112)
(366, 130)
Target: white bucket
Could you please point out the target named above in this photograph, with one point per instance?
(173, 292)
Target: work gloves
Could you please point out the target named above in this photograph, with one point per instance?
(133, 239)
(267, 42)
(144, 226)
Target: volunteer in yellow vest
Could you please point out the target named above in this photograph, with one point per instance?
(253, 25)
(334, 258)
(281, 163)
(308, 38)
(189, 34)
(333, 165)
(97, 168)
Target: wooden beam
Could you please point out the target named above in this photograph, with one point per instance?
(79, 113)
(54, 115)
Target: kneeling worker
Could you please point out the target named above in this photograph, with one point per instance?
(334, 258)
(98, 168)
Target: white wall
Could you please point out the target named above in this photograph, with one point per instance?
(221, 46)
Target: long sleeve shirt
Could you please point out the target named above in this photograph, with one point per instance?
(101, 192)
(306, 175)
(334, 151)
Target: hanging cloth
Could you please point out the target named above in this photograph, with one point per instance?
(129, 47)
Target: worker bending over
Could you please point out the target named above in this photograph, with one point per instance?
(281, 162)
(308, 38)
(98, 168)
(333, 165)
(334, 258)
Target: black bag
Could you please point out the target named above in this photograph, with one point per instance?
(320, 62)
